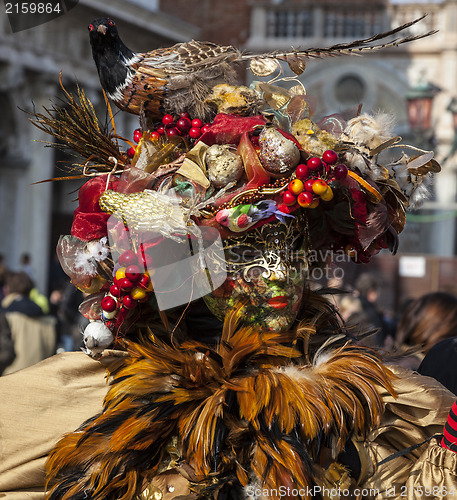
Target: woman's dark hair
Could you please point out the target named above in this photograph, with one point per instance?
(19, 283)
(428, 319)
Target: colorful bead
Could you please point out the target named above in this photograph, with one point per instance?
(109, 304)
(138, 293)
(330, 156)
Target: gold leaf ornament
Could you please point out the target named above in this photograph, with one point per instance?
(192, 171)
(296, 64)
(297, 90)
(276, 97)
(422, 165)
(263, 67)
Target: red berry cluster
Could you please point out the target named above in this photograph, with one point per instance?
(130, 286)
(309, 186)
(183, 126)
(171, 127)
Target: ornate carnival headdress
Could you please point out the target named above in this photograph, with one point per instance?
(341, 186)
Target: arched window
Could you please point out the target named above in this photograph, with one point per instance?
(350, 90)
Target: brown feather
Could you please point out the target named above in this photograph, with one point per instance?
(252, 407)
(78, 130)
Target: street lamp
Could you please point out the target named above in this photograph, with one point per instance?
(453, 109)
(418, 237)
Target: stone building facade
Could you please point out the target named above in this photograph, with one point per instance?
(32, 216)
(380, 80)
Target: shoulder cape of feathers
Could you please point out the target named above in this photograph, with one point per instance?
(250, 410)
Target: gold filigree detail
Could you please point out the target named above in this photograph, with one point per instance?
(273, 247)
(150, 493)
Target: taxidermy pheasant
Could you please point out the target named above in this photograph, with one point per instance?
(179, 78)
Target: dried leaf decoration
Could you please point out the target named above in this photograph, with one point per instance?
(298, 108)
(77, 129)
(421, 165)
(296, 64)
(385, 145)
(276, 97)
(392, 185)
(263, 67)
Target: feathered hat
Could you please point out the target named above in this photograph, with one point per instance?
(344, 186)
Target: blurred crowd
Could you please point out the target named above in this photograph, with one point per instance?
(34, 326)
(421, 337)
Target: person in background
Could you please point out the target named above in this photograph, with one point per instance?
(17, 290)
(3, 272)
(26, 266)
(441, 363)
(65, 301)
(7, 353)
(427, 321)
(372, 317)
(33, 333)
(40, 300)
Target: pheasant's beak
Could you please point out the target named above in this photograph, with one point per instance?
(102, 29)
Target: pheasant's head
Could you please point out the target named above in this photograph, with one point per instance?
(103, 33)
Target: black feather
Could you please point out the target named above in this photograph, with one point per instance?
(110, 54)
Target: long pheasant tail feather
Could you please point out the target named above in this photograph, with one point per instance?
(354, 47)
(365, 42)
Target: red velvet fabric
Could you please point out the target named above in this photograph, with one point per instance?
(228, 129)
(89, 221)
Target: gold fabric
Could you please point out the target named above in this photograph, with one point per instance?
(419, 411)
(434, 475)
(38, 405)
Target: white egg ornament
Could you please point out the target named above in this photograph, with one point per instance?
(223, 165)
(97, 337)
(278, 155)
